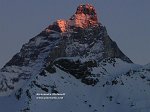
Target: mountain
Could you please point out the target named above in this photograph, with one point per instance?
(73, 65)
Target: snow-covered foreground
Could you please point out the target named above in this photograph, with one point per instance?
(127, 92)
(124, 93)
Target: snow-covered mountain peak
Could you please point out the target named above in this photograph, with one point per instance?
(76, 57)
(80, 38)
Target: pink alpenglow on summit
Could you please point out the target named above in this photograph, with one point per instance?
(62, 24)
(84, 17)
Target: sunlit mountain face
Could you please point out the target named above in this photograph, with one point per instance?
(74, 66)
(84, 17)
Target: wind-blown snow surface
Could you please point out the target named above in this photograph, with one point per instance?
(127, 92)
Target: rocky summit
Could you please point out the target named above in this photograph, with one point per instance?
(84, 17)
(74, 66)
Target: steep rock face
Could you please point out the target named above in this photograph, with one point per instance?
(85, 16)
(29, 62)
(111, 48)
(62, 25)
(83, 27)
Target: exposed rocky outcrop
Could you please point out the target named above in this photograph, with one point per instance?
(85, 16)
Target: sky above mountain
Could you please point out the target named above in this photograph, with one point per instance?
(127, 23)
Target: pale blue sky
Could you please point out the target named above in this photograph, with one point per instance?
(127, 22)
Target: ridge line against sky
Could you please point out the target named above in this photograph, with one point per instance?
(127, 23)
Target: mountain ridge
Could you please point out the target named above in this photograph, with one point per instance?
(79, 60)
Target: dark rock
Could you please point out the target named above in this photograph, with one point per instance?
(111, 49)
(50, 69)
(43, 73)
(28, 94)
(40, 86)
(114, 82)
(89, 81)
(19, 93)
